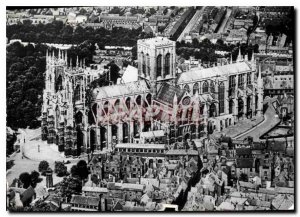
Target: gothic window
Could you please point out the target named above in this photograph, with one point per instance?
(58, 84)
(138, 100)
(240, 81)
(231, 84)
(148, 98)
(186, 88)
(212, 87)
(195, 88)
(128, 103)
(77, 93)
(249, 78)
(167, 64)
(106, 105)
(205, 87)
(221, 98)
(158, 65)
(117, 104)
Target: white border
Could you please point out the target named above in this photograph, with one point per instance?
(118, 3)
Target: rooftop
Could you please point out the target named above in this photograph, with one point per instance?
(138, 145)
(130, 88)
(157, 41)
(83, 200)
(196, 75)
(167, 92)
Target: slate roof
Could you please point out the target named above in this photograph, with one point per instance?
(196, 75)
(276, 146)
(181, 152)
(244, 163)
(84, 200)
(138, 145)
(27, 194)
(129, 88)
(94, 189)
(243, 151)
(167, 92)
(247, 184)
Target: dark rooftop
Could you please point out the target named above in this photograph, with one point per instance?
(167, 92)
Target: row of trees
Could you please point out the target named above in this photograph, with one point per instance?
(25, 70)
(30, 179)
(57, 32)
(25, 67)
(205, 50)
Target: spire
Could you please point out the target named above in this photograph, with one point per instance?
(77, 63)
(231, 58)
(59, 54)
(83, 65)
(251, 60)
(47, 56)
(239, 57)
(259, 80)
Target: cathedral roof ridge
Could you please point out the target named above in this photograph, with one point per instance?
(129, 88)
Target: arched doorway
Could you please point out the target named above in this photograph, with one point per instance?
(93, 139)
(80, 142)
(240, 107)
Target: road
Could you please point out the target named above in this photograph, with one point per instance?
(270, 121)
(225, 20)
(191, 24)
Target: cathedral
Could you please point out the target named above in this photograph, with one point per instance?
(84, 118)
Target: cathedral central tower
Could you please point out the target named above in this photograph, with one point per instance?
(156, 61)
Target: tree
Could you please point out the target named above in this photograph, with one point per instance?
(43, 166)
(25, 178)
(69, 186)
(82, 169)
(74, 171)
(95, 179)
(152, 11)
(60, 169)
(35, 178)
